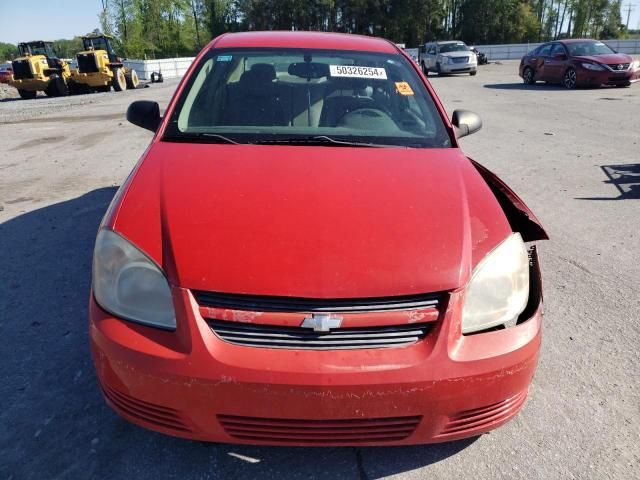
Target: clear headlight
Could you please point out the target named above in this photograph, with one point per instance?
(593, 66)
(129, 284)
(635, 65)
(444, 59)
(499, 287)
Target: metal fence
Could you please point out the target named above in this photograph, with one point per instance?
(518, 50)
(176, 67)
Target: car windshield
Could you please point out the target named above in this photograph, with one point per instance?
(453, 47)
(302, 97)
(588, 48)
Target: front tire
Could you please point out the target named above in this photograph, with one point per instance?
(119, 80)
(528, 76)
(27, 94)
(132, 79)
(570, 79)
(56, 87)
(439, 70)
(473, 73)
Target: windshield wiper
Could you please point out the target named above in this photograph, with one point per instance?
(323, 140)
(200, 137)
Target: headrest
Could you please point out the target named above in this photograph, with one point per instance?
(259, 74)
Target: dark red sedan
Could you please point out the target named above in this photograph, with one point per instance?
(577, 63)
(304, 255)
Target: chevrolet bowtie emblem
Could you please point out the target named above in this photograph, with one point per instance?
(322, 322)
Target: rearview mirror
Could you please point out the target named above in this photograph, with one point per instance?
(309, 70)
(465, 122)
(145, 114)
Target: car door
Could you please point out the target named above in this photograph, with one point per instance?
(554, 64)
(537, 60)
(432, 54)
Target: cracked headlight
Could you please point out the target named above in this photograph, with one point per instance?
(129, 285)
(499, 287)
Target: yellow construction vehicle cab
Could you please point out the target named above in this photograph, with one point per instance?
(99, 68)
(38, 68)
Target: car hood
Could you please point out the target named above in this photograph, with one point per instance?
(610, 59)
(457, 54)
(320, 222)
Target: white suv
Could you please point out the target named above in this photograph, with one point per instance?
(451, 56)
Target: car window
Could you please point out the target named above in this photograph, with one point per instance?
(454, 47)
(281, 95)
(545, 50)
(432, 50)
(589, 48)
(556, 49)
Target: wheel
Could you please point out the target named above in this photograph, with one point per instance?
(119, 81)
(528, 76)
(103, 89)
(27, 94)
(623, 85)
(132, 79)
(569, 79)
(473, 73)
(56, 87)
(439, 70)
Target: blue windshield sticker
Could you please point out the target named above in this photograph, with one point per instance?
(225, 58)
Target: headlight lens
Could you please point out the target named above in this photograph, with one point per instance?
(593, 66)
(635, 64)
(499, 287)
(129, 284)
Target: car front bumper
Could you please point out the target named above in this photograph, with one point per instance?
(191, 384)
(591, 78)
(458, 67)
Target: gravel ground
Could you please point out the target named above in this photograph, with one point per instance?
(573, 156)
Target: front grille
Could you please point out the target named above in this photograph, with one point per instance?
(272, 336)
(157, 415)
(87, 63)
(484, 417)
(337, 432)
(262, 303)
(614, 66)
(21, 69)
(460, 59)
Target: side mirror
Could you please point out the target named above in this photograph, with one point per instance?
(465, 122)
(145, 114)
(560, 56)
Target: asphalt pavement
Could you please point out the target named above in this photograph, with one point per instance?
(573, 156)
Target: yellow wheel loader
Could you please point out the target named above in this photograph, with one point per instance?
(99, 68)
(38, 68)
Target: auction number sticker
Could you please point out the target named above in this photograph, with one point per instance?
(354, 71)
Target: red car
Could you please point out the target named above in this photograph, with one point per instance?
(305, 256)
(579, 63)
(6, 72)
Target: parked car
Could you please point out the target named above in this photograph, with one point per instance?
(482, 58)
(305, 256)
(577, 63)
(6, 72)
(447, 57)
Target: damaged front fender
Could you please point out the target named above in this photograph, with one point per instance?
(520, 217)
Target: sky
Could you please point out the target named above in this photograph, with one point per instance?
(25, 20)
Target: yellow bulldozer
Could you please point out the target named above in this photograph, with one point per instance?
(99, 68)
(38, 68)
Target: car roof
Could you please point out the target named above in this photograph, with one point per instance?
(577, 40)
(449, 41)
(316, 40)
